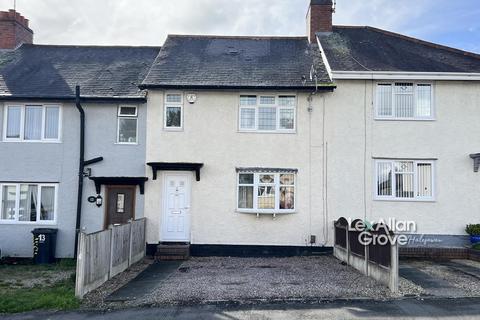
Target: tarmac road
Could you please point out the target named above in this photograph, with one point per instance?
(433, 308)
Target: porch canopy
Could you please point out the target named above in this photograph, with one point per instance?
(175, 166)
(122, 181)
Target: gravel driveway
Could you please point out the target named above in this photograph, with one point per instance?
(243, 279)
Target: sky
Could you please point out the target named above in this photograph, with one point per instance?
(147, 22)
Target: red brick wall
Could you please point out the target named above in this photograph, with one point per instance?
(319, 19)
(14, 30)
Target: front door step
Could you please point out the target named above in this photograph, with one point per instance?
(172, 251)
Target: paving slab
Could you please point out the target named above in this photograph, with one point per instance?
(145, 282)
(433, 286)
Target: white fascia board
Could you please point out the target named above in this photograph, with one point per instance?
(398, 75)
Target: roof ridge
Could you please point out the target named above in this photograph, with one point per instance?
(87, 46)
(237, 37)
(415, 40)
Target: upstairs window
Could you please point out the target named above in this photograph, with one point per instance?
(28, 202)
(404, 100)
(127, 125)
(266, 192)
(404, 180)
(267, 113)
(173, 117)
(32, 123)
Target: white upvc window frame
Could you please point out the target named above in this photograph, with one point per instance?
(276, 105)
(432, 116)
(392, 197)
(123, 116)
(17, 203)
(23, 106)
(167, 104)
(277, 186)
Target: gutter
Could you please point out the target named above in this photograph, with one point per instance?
(97, 99)
(323, 87)
(402, 75)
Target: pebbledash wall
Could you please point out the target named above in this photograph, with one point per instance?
(334, 148)
(210, 136)
(58, 163)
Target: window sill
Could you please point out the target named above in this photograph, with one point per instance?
(255, 212)
(28, 223)
(173, 129)
(403, 200)
(126, 143)
(32, 141)
(405, 119)
(268, 131)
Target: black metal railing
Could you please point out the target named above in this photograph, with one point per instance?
(341, 229)
(356, 228)
(379, 250)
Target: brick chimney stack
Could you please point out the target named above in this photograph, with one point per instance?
(319, 18)
(14, 30)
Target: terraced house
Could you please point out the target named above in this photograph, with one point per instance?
(245, 145)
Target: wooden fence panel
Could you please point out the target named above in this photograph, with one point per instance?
(104, 254)
(93, 261)
(137, 240)
(120, 249)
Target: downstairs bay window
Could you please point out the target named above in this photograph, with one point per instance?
(404, 180)
(28, 203)
(266, 192)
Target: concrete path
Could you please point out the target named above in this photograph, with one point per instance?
(145, 282)
(433, 286)
(465, 308)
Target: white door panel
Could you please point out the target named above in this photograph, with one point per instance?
(176, 215)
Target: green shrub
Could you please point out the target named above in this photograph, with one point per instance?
(473, 229)
(476, 246)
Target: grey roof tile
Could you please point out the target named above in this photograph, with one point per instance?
(367, 48)
(215, 61)
(54, 71)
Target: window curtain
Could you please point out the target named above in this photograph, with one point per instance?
(13, 122)
(51, 122)
(8, 202)
(33, 123)
(28, 203)
(47, 203)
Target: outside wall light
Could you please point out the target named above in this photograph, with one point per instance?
(99, 201)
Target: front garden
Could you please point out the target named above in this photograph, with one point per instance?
(26, 287)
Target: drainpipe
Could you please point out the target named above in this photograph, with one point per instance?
(81, 165)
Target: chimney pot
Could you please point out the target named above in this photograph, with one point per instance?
(319, 18)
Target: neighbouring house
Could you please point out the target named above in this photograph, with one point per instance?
(39, 149)
(241, 145)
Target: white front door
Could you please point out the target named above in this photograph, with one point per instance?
(176, 212)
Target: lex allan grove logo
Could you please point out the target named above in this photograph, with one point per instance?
(382, 232)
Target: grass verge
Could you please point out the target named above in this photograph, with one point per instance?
(51, 295)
